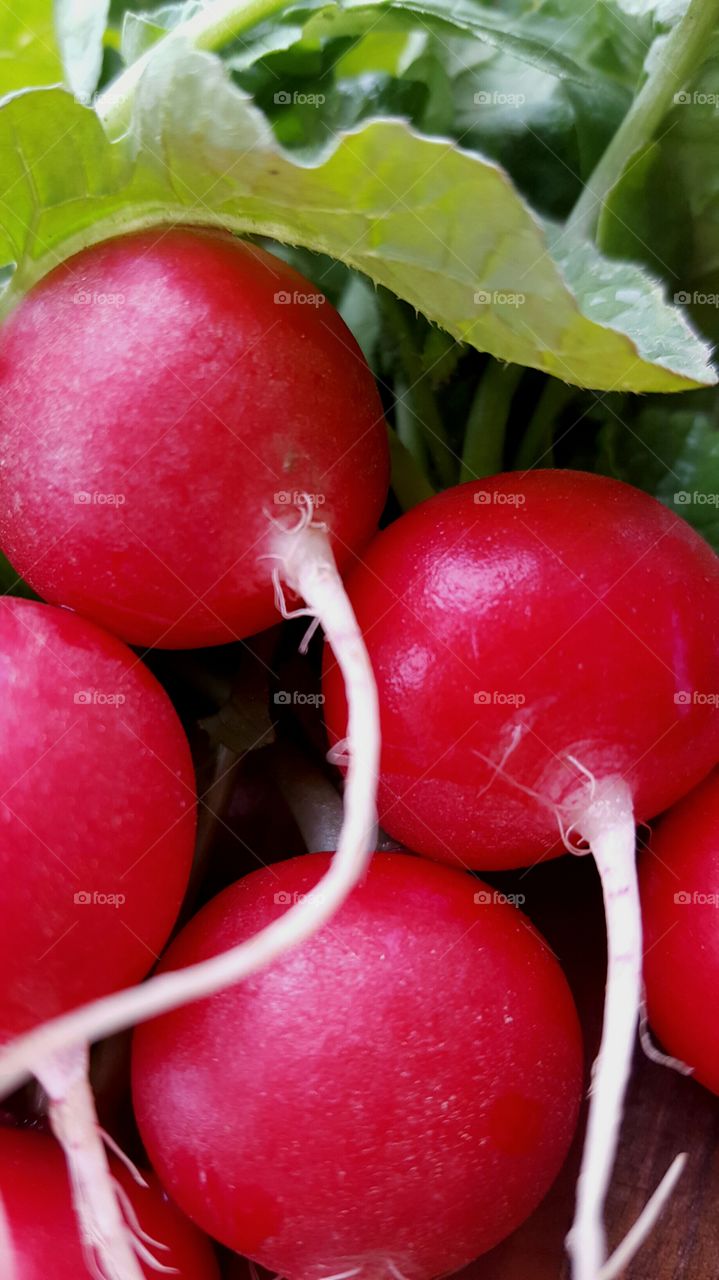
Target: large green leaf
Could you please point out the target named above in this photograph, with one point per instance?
(441, 227)
(678, 174)
(29, 53)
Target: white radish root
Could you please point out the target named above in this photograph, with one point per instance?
(607, 823)
(306, 565)
(107, 1241)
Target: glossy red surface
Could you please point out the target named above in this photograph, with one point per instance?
(680, 904)
(36, 1198)
(162, 394)
(519, 621)
(402, 1088)
(97, 813)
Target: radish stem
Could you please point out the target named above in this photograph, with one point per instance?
(684, 50)
(307, 566)
(483, 452)
(106, 1239)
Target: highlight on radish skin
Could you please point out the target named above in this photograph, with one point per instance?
(237, 372)
(533, 638)
(409, 1077)
(42, 1238)
(679, 881)
(223, 390)
(96, 838)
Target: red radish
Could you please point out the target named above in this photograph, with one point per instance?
(208, 392)
(42, 1237)
(212, 404)
(163, 395)
(679, 882)
(530, 635)
(97, 823)
(406, 1082)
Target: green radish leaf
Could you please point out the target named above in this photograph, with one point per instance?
(29, 53)
(316, 20)
(442, 228)
(463, 17)
(678, 173)
(141, 30)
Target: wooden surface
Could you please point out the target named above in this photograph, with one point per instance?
(666, 1113)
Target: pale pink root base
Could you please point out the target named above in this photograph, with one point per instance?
(308, 568)
(607, 823)
(106, 1240)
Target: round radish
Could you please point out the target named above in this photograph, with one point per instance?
(406, 1083)
(41, 1235)
(219, 439)
(206, 389)
(536, 664)
(97, 823)
(97, 814)
(679, 882)
(514, 635)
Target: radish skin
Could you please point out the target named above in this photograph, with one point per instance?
(545, 616)
(308, 568)
(409, 1078)
(87, 903)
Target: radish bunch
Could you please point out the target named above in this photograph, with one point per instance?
(97, 824)
(395, 1084)
(173, 492)
(533, 649)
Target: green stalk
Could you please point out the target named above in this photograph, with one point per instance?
(487, 421)
(209, 29)
(409, 482)
(536, 446)
(683, 52)
(408, 427)
(419, 395)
